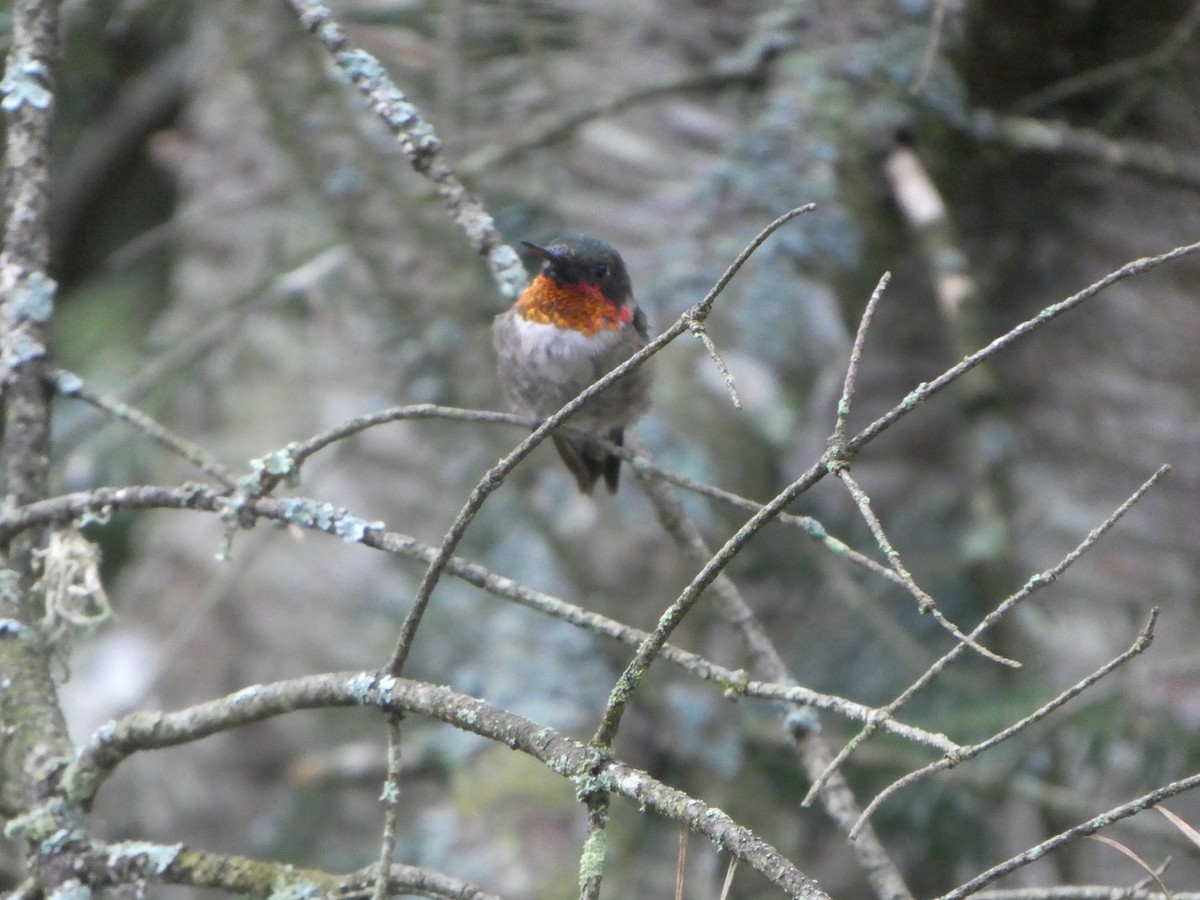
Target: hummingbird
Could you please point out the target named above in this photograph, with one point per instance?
(575, 323)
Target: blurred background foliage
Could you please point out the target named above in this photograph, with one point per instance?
(243, 252)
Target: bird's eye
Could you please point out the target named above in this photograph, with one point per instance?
(601, 271)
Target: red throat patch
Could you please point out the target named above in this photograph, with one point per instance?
(578, 306)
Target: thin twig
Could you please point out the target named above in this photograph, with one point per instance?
(838, 463)
(838, 439)
(925, 390)
(1091, 826)
(1040, 580)
(71, 385)
(203, 335)
(296, 453)
(729, 873)
(681, 864)
(950, 761)
(390, 797)
(772, 34)
(698, 329)
(925, 603)
(546, 132)
(1121, 848)
(304, 449)
(1040, 136)
(1116, 72)
(641, 462)
(936, 24)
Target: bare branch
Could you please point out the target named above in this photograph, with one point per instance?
(925, 603)
(838, 463)
(773, 33)
(1091, 826)
(801, 726)
(1037, 581)
(936, 25)
(138, 863)
(700, 331)
(927, 389)
(67, 508)
(71, 385)
(1110, 74)
(838, 438)
(215, 328)
(950, 761)
(391, 805)
(293, 456)
(1059, 138)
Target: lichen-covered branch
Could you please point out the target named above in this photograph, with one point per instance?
(571, 759)
(417, 141)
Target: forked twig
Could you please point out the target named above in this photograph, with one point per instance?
(1037, 581)
(838, 462)
(925, 390)
(925, 603)
(951, 760)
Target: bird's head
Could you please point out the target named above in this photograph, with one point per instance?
(582, 286)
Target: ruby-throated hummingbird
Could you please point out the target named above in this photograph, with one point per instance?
(575, 323)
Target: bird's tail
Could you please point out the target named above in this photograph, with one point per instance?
(588, 461)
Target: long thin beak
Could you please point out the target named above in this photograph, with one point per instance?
(543, 252)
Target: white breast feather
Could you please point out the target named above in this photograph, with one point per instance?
(549, 346)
